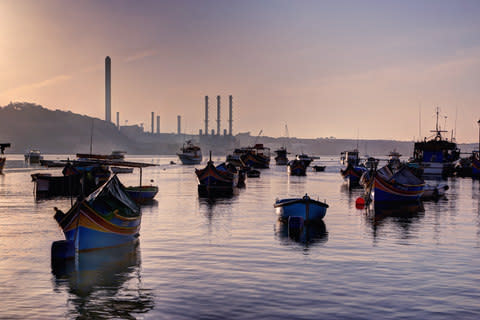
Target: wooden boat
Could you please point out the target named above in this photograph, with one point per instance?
(306, 208)
(33, 156)
(281, 159)
(257, 157)
(3, 146)
(399, 186)
(297, 168)
(318, 168)
(106, 218)
(76, 179)
(306, 159)
(352, 174)
(437, 155)
(190, 153)
(217, 180)
(142, 194)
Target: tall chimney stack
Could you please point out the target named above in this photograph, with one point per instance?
(108, 100)
(206, 115)
(230, 115)
(153, 123)
(218, 115)
(158, 124)
(179, 123)
(118, 120)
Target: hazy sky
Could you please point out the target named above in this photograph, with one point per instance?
(324, 68)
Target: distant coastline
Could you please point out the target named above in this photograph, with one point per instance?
(28, 125)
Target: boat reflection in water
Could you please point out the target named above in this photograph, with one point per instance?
(104, 283)
(310, 234)
(403, 215)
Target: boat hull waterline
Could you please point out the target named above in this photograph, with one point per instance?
(306, 208)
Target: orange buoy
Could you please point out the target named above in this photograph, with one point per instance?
(360, 203)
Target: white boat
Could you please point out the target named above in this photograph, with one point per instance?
(33, 156)
(306, 208)
(190, 153)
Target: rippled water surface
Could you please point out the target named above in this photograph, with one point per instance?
(231, 259)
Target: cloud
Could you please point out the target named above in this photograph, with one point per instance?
(36, 85)
(141, 55)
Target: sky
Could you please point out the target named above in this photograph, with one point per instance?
(347, 69)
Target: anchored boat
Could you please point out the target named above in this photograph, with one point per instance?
(106, 218)
(281, 159)
(437, 155)
(297, 168)
(306, 208)
(190, 153)
(217, 180)
(395, 186)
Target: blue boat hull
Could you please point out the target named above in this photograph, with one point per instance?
(387, 192)
(285, 210)
(88, 239)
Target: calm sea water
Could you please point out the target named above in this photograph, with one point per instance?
(231, 259)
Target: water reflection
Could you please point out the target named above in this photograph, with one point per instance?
(403, 216)
(311, 234)
(104, 283)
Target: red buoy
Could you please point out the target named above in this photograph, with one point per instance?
(360, 203)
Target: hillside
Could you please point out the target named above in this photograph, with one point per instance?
(30, 126)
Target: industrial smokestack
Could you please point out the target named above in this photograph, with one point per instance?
(218, 115)
(153, 126)
(179, 123)
(118, 120)
(158, 124)
(206, 115)
(108, 106)
(230, 115)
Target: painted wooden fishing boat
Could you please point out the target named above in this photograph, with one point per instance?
(257, 157)
(106, 218)
(297, 168)
(399, 186)
(281, 159)
(306, 159)
(352, 174)
(142, 194)
(217, 180)
(190, 154)
(306, 208)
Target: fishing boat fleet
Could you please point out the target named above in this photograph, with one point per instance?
(107, 213)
